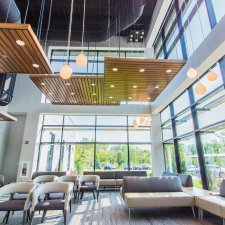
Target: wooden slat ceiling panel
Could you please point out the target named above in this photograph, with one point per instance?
(19, 59)
(128, 75)
(59, 92)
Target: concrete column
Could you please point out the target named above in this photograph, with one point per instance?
(149, 53)
(29, 144)
(157, 146)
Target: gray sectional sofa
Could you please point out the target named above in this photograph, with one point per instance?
(114, 178)
(146, 192)
(41, 173)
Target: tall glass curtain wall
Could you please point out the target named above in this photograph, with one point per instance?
(194, 126)
(178, 38)
(72, 142)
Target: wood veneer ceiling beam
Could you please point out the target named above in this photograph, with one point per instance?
(19, 59)
(128, 76)
(59, 93)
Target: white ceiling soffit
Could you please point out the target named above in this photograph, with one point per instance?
(4, 116)
(202, 59)
(161, 9)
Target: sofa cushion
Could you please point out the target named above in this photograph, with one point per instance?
(158, 199)
(222, 188)
(186, 180)
(51, 205)
(151, 184)
(119, 182)
(211, 204)
(121, 174)
(102, 174)
(107, 182)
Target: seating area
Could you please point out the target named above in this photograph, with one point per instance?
(112, 112)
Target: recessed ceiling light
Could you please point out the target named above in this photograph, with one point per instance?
(20, 42)
(115, 69)
(93, 94)
(148, 98)
(50, 93)
(141, 37)
(137, 32)
(114, 102)
(131, 35)
(95, 102)
(5, 56)
(131, 39)
(169, 71)
(42, 83)
(35, 65)
(56, 101)
(136, 40)
(130, 98)
(142, 70)
(112, 85)
(157, 86)
(111, 97)
(135, 86)
(68, 84)
(93, 84)
(142, 32)
(72, 93)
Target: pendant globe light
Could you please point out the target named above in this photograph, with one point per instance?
(66, 70)
(81, 58)
(200, 89)
(142, 120)
(192, 73)
(212, 75)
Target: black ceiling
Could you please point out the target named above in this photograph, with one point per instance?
(124, 15)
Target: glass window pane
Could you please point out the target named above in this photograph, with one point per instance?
(137, 135)
(111, 157)
(213, 142)
(140, 158)
(165, 114)
(111, 134)
(111, 120)
(184, 123)
(53, 119)
(67, 158)
(212, 110)
(181, 103)
(167, 131)
(49, 158)
(219, 11)
(51, 134)
(170, 159)
(79, 120)
(78, 134)
(189, 159)
(84, 157)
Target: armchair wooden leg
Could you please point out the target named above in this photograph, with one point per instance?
(32, 217)
(70, 205)
(74, 197)
(64, 215)
(24, 217)
(93, 194)
(43, 216)
(28, 215)
(7, 217)
(82, 193)
(97, 194)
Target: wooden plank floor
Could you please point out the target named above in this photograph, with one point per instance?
(110, 211)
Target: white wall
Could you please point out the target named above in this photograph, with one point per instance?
(13, 149)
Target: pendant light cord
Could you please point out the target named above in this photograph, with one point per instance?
(49, 22)
(25, 17)
(83, 25)
(8, 11)
(70, 26)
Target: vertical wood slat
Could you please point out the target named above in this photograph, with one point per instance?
(20, 58)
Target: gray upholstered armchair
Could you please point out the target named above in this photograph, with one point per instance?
(13, 204)
(48, 204)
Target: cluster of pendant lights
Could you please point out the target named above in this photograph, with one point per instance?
(143, 121)
(200, 88)
(81, 60)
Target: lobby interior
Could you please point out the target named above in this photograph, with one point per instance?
(128, 95)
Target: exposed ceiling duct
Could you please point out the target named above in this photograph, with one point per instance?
(101, 22)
